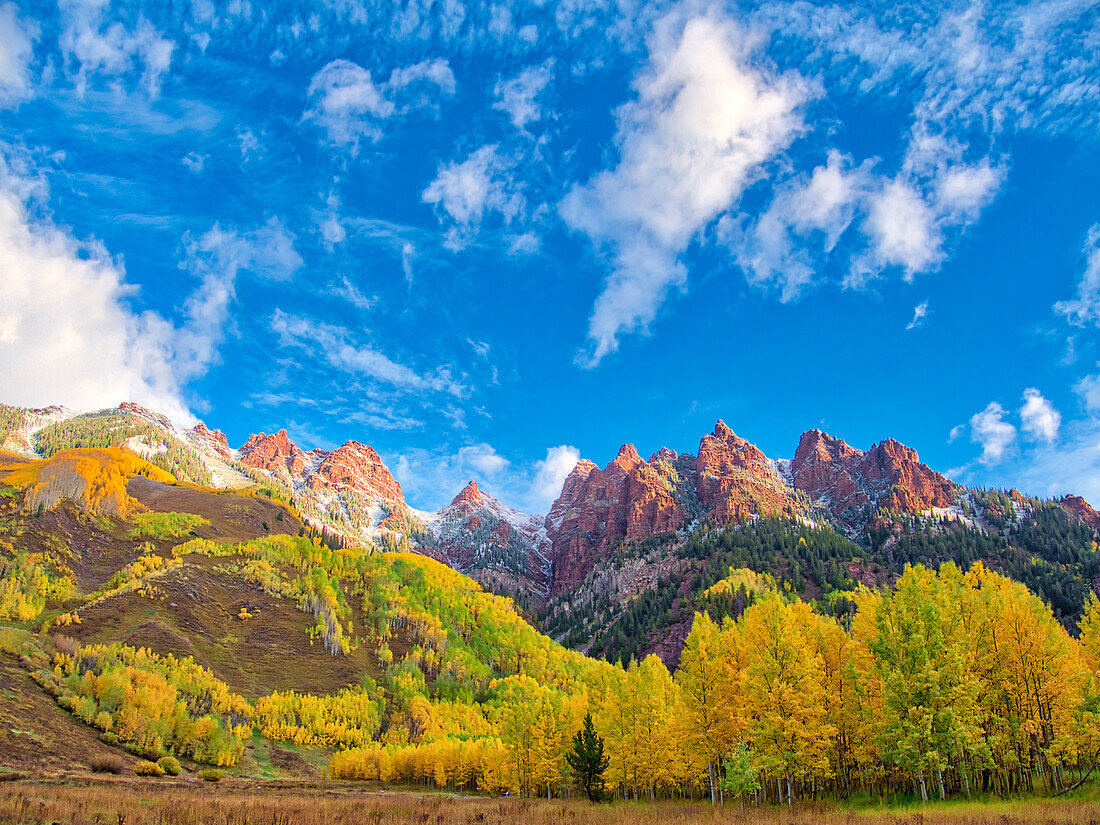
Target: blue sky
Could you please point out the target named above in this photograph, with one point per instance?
(487, 238)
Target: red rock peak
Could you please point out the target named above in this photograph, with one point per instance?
(470, 494)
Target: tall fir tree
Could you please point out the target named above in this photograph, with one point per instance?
(587, 760)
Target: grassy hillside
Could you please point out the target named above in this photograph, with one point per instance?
(212, 627)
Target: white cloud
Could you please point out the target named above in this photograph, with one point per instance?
(216, 259)
(1088, 389)
(17, 38)
(352, 294)
(464, 192)
(704, 122)
(903, 232)
(335, 346)
(436, 72)
(920, 312)
(1069, 465)
(68, 334)
(408, 252)
(550, 474)
(995, 435)
(349, 105)
(526, 243)
(97, 46)
(1038, 417)
(1085, 309)
(247, 141)
(431, 478)
(962, 191)
(194, 161)
(517, 96)
(775, 249)
(483, 458)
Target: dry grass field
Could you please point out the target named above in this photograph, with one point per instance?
(118, 801)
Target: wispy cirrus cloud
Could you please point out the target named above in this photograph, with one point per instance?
(17, 38)
(1085, 308)
(336, 347)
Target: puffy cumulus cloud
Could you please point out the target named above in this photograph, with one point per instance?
(517, 96)
(551, 472)
(903, 232)
(704, 121)
(350, 105)
(335, 346)
(482, 457)
(463, 193)
(1069, 465)
(68, 333)
(995, 435)
(1038, 417)
(1085, 308)
(979, 72)
(17, 38)
(94, 45)
(431, 478)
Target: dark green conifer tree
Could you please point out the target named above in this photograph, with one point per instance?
(587, 760)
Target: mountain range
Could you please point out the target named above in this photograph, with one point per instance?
(612, 534)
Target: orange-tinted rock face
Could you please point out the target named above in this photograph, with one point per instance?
(597, 509)
(848, 481)
(1080, 508)
(358, 468)
(470, 494)
(211, 441)
(734, 479)
(274, 453)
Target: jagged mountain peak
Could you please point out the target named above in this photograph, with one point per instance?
(470, 494)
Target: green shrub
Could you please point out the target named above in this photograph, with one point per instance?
(170, 765)
(211, 775)
(164, 526)
(147, 768)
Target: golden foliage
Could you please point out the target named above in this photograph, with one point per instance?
(94, 479)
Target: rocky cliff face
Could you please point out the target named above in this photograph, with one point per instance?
(275, 454)
(357, 468)
(731, 480)
(628, 499)
(850, 483)
(504, 549)
(210, 441)
(735, 480)
(1078, 507)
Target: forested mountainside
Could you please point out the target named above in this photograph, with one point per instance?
(628, 553)
(221, 628)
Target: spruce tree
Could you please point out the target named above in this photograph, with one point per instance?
(587, 760)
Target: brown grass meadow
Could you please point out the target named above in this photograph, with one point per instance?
(128, 802)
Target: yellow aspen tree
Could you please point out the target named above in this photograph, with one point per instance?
(784, 696)
(706, 727)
